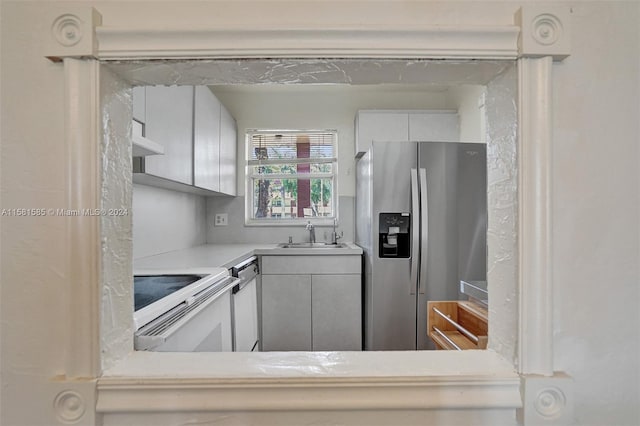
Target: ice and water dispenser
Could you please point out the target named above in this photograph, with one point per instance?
(394, 239)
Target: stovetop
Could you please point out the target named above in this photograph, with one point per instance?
(148, 289)
(157, 291)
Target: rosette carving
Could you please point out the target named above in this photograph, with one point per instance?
(546, 29)
(550, 402)
(67, 30)
(69, 406)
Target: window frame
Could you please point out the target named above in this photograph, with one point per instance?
(249, 220)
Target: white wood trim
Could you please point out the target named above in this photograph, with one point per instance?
(535, 338)
(435, 42)
(82, 131)
(118, 395)
(129, 393)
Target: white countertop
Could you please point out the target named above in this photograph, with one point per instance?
(227, 255)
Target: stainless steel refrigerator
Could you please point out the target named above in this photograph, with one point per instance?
(421, 219)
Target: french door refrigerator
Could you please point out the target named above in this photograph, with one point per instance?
(421, 219)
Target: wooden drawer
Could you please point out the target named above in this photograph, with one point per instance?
(466, 327)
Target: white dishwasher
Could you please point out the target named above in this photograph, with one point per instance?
(245, 306)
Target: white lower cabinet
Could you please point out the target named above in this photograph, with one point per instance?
(286, 313)
(336, 314)
(320, 310)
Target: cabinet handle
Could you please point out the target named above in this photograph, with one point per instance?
(460, 328)
(445, 337)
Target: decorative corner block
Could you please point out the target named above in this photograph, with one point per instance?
(73, 401)
(546, 400)
(544, 31)
(72, 33)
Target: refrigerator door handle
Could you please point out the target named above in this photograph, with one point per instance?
(415, 233)
(424, 226)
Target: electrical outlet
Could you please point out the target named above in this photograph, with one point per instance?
(222, 219)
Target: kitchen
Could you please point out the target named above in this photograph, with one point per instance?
(63, 279)
(187, 221)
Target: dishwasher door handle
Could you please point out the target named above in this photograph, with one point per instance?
(248, 272)
(236, 269)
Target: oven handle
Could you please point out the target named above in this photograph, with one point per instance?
(159, 330)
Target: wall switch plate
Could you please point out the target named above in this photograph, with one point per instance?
(222, 219)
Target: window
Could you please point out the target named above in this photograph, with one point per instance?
(291, 176)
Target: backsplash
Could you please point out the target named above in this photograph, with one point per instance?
(237, 232)
(165, 220)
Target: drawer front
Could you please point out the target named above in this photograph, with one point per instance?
(321, 264)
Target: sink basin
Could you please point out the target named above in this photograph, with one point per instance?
(312, 245)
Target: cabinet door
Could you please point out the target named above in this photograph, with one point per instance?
(381, 126)
(434, 127)
(139, 99)
(206, 140)
(228, 150)
(336, 307)
(286, 312)
(169, 115)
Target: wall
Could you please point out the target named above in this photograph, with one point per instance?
(596, 196)
(595, 191)
(470, 102)
(309, 107)
(322, 107)
(165, 220)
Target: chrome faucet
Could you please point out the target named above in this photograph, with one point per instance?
(312, 232)
(334, 234)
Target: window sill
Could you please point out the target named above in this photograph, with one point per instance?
(146, 382)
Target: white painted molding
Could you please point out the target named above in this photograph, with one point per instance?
(545, 31)
(435, 42)
(73, 401)
(535, 337)
(120, 395)
(73, 39)
(82, 132)
(72, 33)
(547, 401)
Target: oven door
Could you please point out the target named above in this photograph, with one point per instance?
(199, 324)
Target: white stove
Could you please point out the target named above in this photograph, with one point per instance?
(183, 310)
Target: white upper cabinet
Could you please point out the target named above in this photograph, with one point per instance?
(169, 122)
(198, 136)
(434, 127)
(206, 140)
(402, 126)
(228, 152)
(139, 99)
(385, 126)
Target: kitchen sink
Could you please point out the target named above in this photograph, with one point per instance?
(312, 245)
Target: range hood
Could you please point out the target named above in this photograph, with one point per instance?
(142, 146)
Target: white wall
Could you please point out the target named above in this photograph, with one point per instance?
(596, 216)
(165, 220)
(308, 107)
(595, 189)
(470, 104)
(322, 107)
